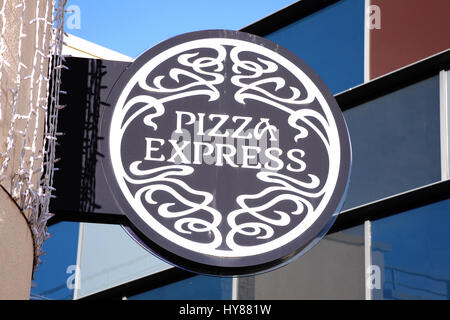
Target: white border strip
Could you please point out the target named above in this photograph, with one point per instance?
(444, 124)
(367, 257)
(76, 293)
(366, 41)
(235, 288)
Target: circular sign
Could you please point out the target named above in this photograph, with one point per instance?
(227, 153)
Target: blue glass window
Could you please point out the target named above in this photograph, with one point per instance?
(195, 288)
(331, 41)
(395, 142)
(55, 277)
(412, 251)
(110, 257)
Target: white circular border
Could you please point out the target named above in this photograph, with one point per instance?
(115, 139)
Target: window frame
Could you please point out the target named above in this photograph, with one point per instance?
(379, 209)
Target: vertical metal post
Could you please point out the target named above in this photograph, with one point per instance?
(368, 257)
(366, 41)
(444, 124)
(235, 288)
(76, 292)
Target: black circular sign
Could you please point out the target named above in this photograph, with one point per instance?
(227, 153)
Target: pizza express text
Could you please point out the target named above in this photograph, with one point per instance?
(236, 141)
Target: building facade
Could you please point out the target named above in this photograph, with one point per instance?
(387, 64)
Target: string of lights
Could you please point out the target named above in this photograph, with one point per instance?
(27, 158)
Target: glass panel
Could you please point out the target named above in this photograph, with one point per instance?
(395, 142)
(195, 288)
(331, 41)
(110, 257)
(411, 251)
(55, 277)
(333, 269)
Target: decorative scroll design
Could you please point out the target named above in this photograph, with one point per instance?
(166, 179)
(194, 76)
(280, 187)
(196, 81)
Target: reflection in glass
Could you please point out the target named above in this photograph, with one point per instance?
(110, 257)
(333, 269)
(396, 143)
(412, 252)
(55, 277)
(195, 288)
(331, 41)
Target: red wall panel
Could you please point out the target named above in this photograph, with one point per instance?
(411, 30)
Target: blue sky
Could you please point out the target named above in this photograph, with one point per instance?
(131, 27)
